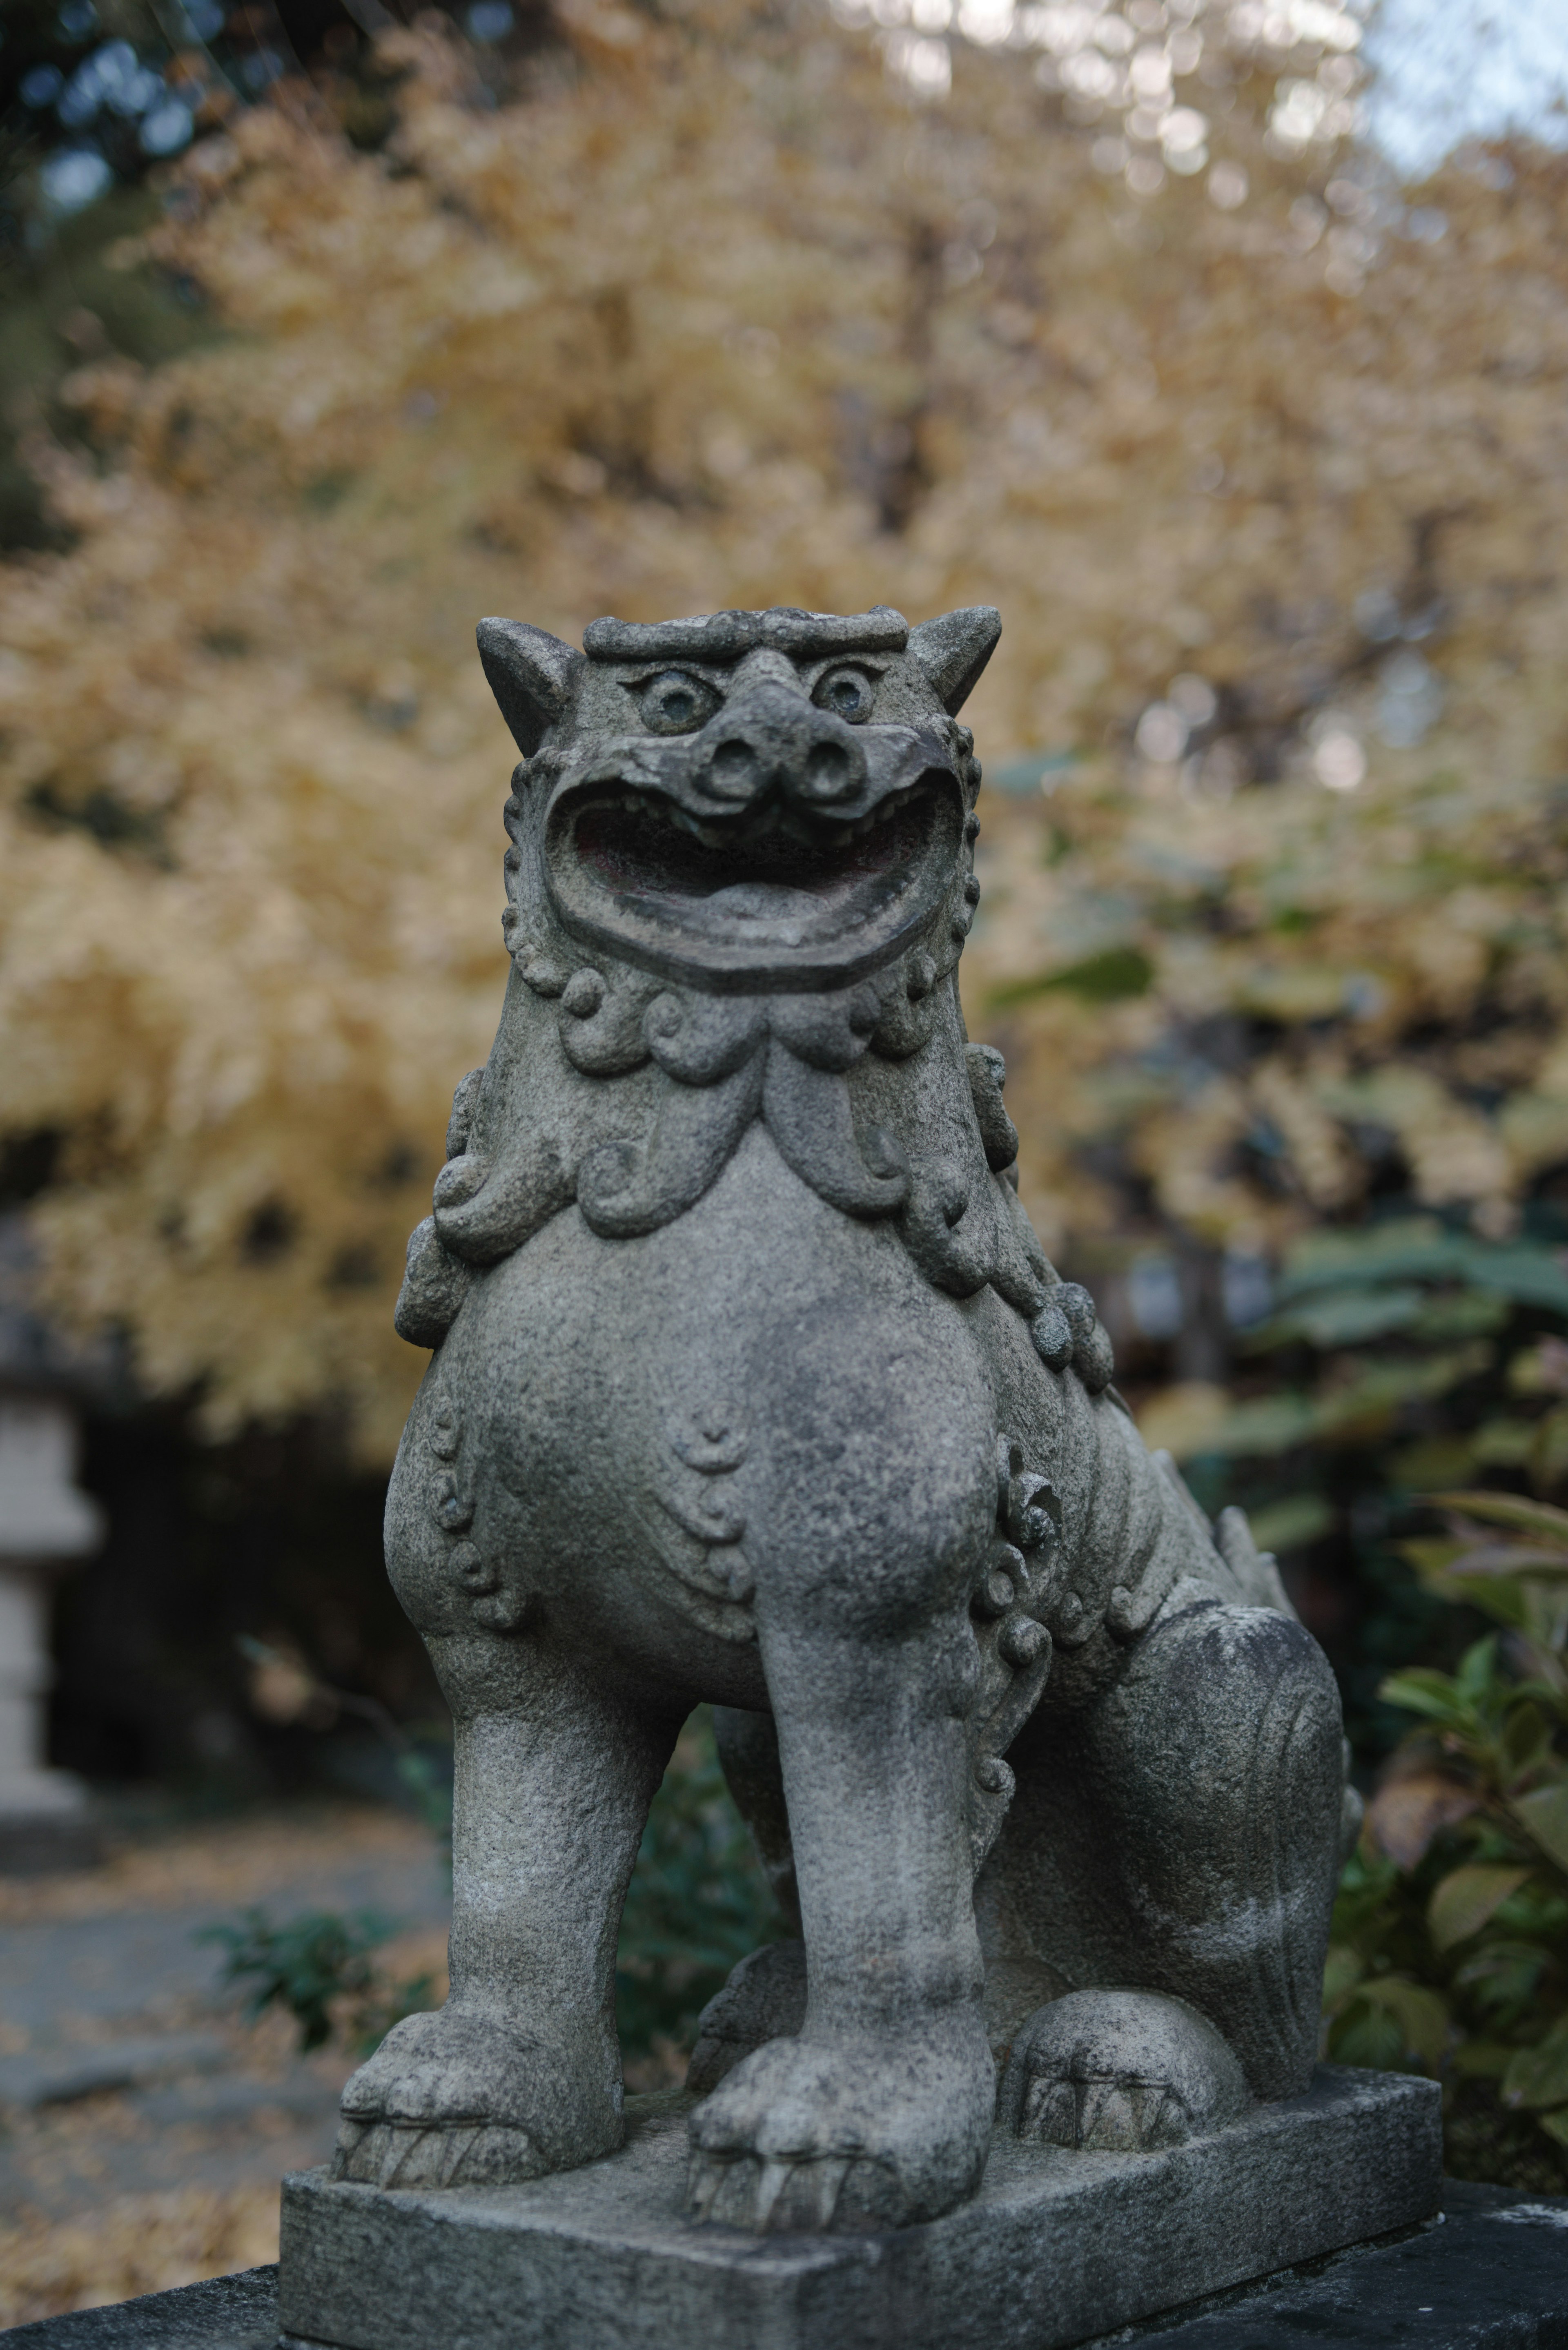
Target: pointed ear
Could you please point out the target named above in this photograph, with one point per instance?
(530, 674)
(953, 649)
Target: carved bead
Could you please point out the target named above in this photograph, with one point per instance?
(446, 1433)
(994, 1592)
(467, 1563)
(1022, 1641)
(1077, 1305)
(544, 975)
(459, 1180)
(453, 1511)
(1093, 1360)
(583, 993)
(1053, 1336)
(1073, 1622)
(1029, 1523)
(503, 1613)
(995, 1775)
(972, 890)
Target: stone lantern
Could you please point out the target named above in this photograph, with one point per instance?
(45, 1524)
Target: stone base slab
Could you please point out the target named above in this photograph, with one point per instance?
(1055, 2248)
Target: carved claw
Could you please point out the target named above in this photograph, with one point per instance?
(423, 2155)
(1119, 2071)
(466, 2098)
(351, 2135)
(1050, 2112)
(1107, 2119)
(774, 2194)
(813, 2135)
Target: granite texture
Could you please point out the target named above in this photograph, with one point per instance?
(1056, 2244)
(230, 2313)
(1487, 2273)
(751, 1383)
(1490, 2273)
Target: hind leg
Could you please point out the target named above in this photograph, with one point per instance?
(1182, 1836)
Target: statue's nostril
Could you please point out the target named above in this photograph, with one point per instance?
(828, 772)
(732, 770)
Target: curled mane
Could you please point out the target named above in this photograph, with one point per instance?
(613, 1089)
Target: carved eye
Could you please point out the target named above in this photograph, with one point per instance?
(676, 703)
(847, 692)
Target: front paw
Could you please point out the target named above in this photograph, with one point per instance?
(470, 2097)
(845, 2133)
(1118, 2072)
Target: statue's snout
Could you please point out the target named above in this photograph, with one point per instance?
(773, 740)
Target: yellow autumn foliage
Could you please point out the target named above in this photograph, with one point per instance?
(712, 313)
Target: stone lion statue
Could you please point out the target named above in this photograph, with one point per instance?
(751, 1383)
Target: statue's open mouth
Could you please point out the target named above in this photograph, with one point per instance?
(779, 894)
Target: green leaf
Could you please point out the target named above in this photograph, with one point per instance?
(1461, 1314)
(1407, 1248)
(1515, 1511)
(1343, 1970)
(1477, 1676)
(1300, 1518)
(1482, 2059)
(1530, 1277)
(1463, 1902)
(1512, 1559)
(1422, 2014)
(1433, 1460)
(1274, 1424)
(1526, 1738)
(1549, 1449)
(1539, 2076)
(1430, 1554)
(1501, 1596)
(1108, 977)
(1344, 1318)
(1418, 1249)
(1419, 1690)
(1555, 2124)
(1502, 1443)
(1544, 1815)
(1382, 1387)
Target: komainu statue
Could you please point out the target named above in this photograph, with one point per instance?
(751, 1383)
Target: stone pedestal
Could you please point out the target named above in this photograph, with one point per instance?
(1057, 2247)
(44, 1524)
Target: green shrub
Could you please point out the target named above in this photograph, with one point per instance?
(1450, 1934)
(698, 1903)
(317, 1967)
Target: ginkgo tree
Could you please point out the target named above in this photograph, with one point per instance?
(1101, 316)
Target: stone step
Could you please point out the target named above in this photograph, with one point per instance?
(1488, 2273)
(54, 2076)
(213, 2102)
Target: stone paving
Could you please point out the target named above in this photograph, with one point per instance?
(134, 2097)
